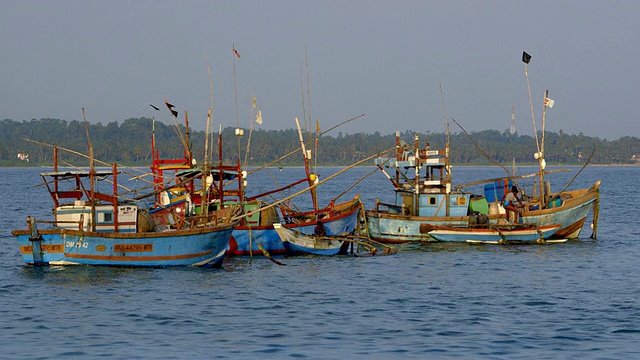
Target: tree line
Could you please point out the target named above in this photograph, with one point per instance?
(129, 143)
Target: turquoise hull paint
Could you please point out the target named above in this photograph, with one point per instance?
(564, 216)
(63, 247)
(404, 228)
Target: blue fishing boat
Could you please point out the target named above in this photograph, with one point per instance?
(91, 227)
(187, 224)
(299, 244)
(425, 195)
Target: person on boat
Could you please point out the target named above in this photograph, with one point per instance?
(320, 230)
(512, 204)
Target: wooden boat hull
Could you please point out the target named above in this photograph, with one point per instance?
(497, 234)
(297, 243)
(571, 215)
(204, 247)
(248, 240)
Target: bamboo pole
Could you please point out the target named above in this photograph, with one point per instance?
(311, 181)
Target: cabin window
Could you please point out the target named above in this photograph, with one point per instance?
(105, 217)
(460, 200)
(432, 200)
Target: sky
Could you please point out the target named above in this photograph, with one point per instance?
(405, 65)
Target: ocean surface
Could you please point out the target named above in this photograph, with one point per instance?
(580, 299)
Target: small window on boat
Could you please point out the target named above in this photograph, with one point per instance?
(105, 217)
(432, 200)
(461, 200)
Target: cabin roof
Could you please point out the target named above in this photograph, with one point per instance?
(81, 173)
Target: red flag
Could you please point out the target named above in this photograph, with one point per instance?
(236, 52)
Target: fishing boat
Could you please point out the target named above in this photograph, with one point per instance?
(298, 243)
(495, 234)
(254, 234)
(188, 223)
(425, 195)
(257, 235)
(94, 227)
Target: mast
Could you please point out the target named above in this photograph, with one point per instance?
(539, 155)
(541, 160)
(416, 188)
(306, 154)
(187, 133)
(447, 165)
(447, 169)
(206, 171)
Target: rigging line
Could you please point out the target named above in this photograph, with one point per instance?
(533, 119)
(306, 57)
(357, 182)
(304, 105)
(444, 116)
(235, 95)
(315, 185)
(211, 108)
(479, 149)
(299, 147)
(173, 126)
(579, 171)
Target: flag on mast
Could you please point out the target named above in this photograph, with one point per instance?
(236, 52)
(259, 117)
(170, 107)
(526, 57)
(548, 102)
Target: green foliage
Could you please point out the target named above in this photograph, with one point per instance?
(130, 144)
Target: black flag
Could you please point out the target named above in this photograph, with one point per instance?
(155, 107)
(526, 57)
(170, 106)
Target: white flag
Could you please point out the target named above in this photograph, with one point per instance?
(259, 117)
(548, 102)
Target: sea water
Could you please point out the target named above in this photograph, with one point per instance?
(580, 299)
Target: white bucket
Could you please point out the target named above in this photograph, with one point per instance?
(495, 208)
